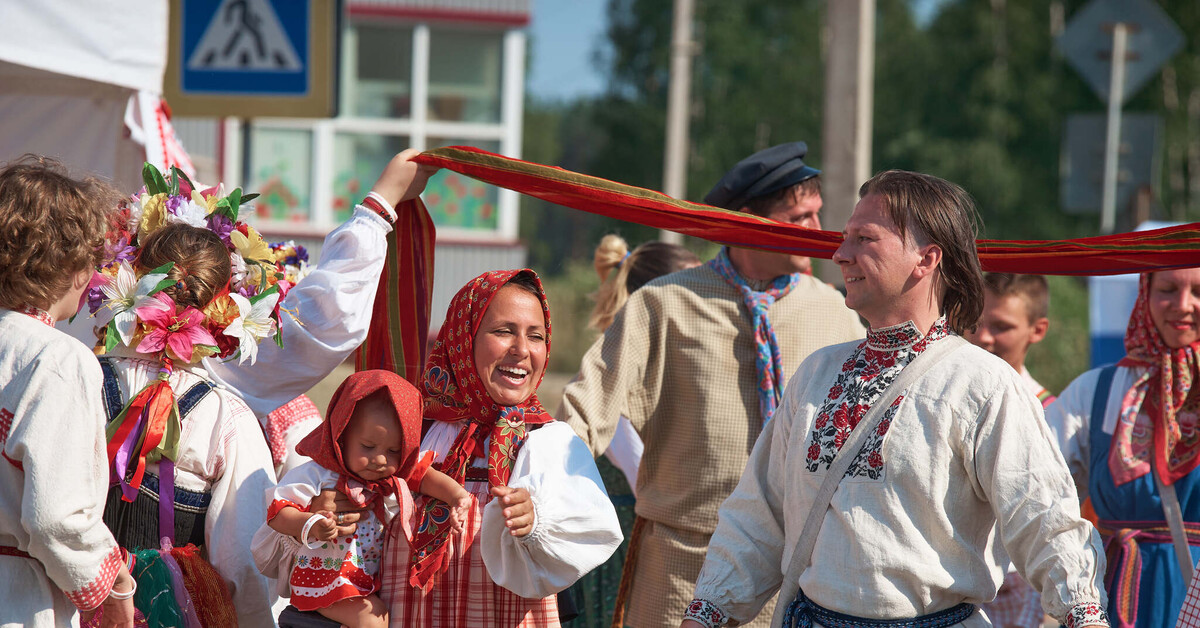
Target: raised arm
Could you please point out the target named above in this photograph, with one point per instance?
(332, 305)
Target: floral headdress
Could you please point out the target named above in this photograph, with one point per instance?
(131, 305)
(129, 302)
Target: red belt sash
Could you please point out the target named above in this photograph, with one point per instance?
(5, 550)
(1124, 574)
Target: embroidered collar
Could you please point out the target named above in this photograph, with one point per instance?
(903, 335)
(37, 313)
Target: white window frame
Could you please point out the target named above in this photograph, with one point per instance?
(418, 129)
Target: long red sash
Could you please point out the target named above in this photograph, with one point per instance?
(1143, 251)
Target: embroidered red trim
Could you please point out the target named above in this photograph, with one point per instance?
(37, 313)
(90, 595)
(6, 418)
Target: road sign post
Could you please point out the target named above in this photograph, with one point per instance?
(1143, 37)
(250, 58)
(1112, 145)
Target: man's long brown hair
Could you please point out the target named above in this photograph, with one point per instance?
(935, 211)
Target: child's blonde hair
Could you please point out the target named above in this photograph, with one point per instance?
(51, 228)
(633, 270)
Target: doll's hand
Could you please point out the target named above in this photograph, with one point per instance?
(325, 529)
(403, 179)
(460, 509)
(518, 509)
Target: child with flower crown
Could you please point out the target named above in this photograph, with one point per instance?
(367, 449)
(57, 558)
(187, 458)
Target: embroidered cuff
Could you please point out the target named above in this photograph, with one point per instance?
(1086, 614)
(417, 474)
(90, 595)
(707, 613)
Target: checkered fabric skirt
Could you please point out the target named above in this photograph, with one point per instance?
(464, 595)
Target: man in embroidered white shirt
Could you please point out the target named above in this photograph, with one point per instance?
(958, 466)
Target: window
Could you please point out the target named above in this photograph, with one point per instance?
(464, 75)
(379, 67)
(281, 172)
(358, 160)
(462, 202)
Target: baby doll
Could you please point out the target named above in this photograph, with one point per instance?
(367, 449)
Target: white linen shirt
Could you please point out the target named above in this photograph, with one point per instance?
(575, 527)
(967, 463)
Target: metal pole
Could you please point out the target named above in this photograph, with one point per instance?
(678, 101)
(1112, 146)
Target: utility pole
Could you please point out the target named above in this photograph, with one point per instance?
(849, 106)
(678, 109)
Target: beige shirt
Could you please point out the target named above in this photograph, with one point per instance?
(967, 464)
(678, 361)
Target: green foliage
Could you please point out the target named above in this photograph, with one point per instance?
(570, 297)
(1064, 353)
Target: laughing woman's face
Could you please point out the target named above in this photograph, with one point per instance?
(511, 345)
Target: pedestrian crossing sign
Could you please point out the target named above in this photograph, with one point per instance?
(227, 55)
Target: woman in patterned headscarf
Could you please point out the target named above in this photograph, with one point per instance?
(542, 518)
(1129, 434)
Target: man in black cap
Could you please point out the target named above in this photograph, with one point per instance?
(697, 360)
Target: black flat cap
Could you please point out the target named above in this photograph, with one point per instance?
(760, 174)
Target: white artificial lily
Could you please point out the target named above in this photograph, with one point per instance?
(124, 294)
(253, 323)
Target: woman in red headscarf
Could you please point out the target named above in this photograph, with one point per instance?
(541, 518)
(1129, 434)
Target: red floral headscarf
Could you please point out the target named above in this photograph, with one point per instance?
(322, 443)
(1165, 435)
(454, 392)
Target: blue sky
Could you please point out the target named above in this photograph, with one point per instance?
(564, 35)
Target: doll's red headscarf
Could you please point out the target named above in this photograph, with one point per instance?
(322, 443)
(1157, 425)
(454, 392)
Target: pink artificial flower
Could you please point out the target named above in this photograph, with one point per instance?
(177, 332)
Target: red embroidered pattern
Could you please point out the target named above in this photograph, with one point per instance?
(1086, 615)
(706, 613)
(90, 595)
(39, 314)
(864, 377)
(6, 419)
(281, 420)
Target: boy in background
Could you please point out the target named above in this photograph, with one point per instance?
(1014, 318)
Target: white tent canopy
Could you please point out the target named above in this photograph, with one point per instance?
(70, 77)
